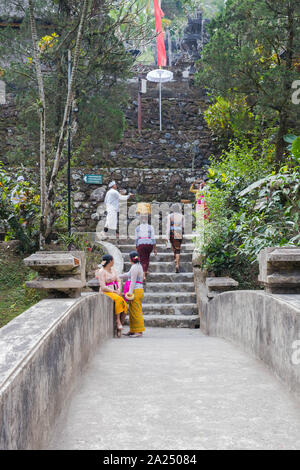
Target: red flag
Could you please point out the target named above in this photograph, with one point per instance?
(160, 40)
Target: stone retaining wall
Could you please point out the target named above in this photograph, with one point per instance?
(169, 149)
(42, 352)
(185, 137)
(147, 184)
(185, 134)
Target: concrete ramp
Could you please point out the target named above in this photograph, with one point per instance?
(178, 389)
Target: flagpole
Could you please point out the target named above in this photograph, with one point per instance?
(160, 76)
(160, 114)
(161, 50)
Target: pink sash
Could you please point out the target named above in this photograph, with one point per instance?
(127, 286)
(113, 283)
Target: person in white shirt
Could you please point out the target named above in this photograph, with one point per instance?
(111, 200)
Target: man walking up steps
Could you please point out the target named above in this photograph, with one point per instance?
(111, 200)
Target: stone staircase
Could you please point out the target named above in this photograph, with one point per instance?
(170, 299)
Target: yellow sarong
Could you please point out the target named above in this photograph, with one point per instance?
(120, 304)
(136, 320)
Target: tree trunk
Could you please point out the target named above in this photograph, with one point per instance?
(42, 112)
(49, 212)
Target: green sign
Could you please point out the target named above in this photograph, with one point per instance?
(93, 179)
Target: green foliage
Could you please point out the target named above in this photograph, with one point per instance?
(241, 225)
(210, 8)
(74, 241)
(19, 210)
(272, 219)
(177, 11)
(245, 58)
(82, 242)
(104, 66)
(242, 164)
(228, 119)
(15, 297)
(294, 147)
(101, 116)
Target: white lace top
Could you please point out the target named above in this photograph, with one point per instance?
(135, 276)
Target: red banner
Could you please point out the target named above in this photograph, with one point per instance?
(160, 39)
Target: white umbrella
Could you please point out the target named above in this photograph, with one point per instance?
(160, 76)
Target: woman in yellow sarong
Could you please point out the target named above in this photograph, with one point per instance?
(134, 293)
(110, 285)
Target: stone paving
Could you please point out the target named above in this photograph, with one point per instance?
(176, 389)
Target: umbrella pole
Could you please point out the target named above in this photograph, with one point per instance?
(160, 115)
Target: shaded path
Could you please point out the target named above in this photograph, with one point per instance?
(177, 389)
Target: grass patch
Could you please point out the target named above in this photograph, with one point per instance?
(15, 297)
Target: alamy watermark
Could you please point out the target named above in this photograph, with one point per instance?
(296, 353)
(126, 220)
(296, 93)
(2, 92)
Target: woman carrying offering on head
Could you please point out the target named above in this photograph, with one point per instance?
(110, 285)
(145, 243)
(200, 197)
(134, 293)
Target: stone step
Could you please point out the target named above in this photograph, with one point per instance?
(158, 287)
(170, 309)
(164, 267)
(169, 287)
(171, 321)
(169, 298)
(161, 248)
(188, 239)
(165, 257)
(173, 278)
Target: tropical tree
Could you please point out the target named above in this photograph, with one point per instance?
(210, 8)
(254, 52)
(98, 33)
